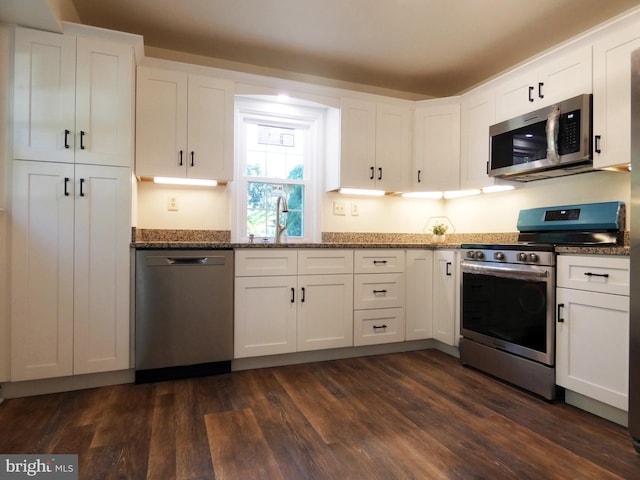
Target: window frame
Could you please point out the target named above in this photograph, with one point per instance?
(285, 115)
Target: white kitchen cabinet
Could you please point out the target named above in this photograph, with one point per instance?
(436, 159)
(184, 125)
(70, 274)
(555, 78)
(612, 97)
(478, 113)
(73, 99)
(375, 145)
(379, 296)
(445, 296)
(419, 283)
(592, 327)
(289, 300)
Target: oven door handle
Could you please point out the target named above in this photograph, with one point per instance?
(530, 273)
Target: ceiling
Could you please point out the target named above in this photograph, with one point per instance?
(425, 47)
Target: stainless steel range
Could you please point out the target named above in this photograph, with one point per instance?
(508, 292)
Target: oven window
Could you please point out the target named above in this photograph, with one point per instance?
(506, 309)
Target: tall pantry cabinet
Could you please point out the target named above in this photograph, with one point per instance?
(71, 197)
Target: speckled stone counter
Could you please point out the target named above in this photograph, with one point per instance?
(221, 239)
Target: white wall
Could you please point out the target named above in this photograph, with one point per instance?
(497, 212)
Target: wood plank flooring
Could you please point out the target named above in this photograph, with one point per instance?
(416, 415)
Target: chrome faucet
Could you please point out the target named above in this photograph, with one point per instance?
(282, 201)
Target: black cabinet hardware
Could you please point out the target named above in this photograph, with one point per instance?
(375, 262)
(66, 186)
(82, 187)
(419, 179)
(379, 173)
(82, 133)
(590, 274)
(560, 319)
(530, 94)
(379, 291)
(372, 173)
(192, 160)
(66, 138)
(447, 271)
(303, 292)
(596, 147)
(540, 85)
(180, 163)
(293, 295)
(377, 327)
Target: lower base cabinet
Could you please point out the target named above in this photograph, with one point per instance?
(592, 328)
(278, 310)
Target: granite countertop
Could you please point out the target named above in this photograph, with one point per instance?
(145, 239)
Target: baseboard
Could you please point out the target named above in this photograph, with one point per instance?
(595, 407)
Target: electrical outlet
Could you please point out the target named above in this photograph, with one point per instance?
(172, 203)
(355, 210)
(338, 207)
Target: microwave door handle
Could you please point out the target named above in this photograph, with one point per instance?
(553, 124)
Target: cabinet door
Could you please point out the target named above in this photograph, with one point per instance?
(592, 345)
(265, 316)
(101, 292)
(419, 310)
(358, 143)
(437, 147)
(44, 96)
(210, 128)
(612, 98)
(104, 103)
(42, 270)
(444, 294)
(477, 115)
(325, 311)
(393, 148)
(566, 76)
(161, 123)
(513, 95)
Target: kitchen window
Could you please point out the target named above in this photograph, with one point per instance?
(277, 155)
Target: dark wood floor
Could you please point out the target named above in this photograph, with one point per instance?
(412, 415)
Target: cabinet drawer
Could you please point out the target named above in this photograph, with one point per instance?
(598, 274)
(327, 261)
(260, 262)
(379, 261)
(371, 327)
(384, 290)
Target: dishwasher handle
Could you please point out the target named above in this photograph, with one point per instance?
(199, 260)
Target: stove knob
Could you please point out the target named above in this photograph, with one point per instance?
(522, 257)
(498, 256)
(479, 255)
(533, 257)
(470, 254)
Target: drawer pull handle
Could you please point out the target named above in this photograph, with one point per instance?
(293, 295)
(590, 274)
(379, 291)
(377, 327)
(303, 295)
(560, 319)
(376, 262)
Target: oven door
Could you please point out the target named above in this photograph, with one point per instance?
(510, 307)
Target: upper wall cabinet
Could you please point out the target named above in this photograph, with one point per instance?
(375, 145)
(612, 97)
(544, 82)
(478, 113)
(73, 99)
(436, 161)
(184, 125)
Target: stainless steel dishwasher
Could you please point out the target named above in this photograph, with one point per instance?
(184, 313)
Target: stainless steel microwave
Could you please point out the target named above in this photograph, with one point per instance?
(551, 142)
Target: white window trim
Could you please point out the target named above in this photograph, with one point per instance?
(293, 115)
